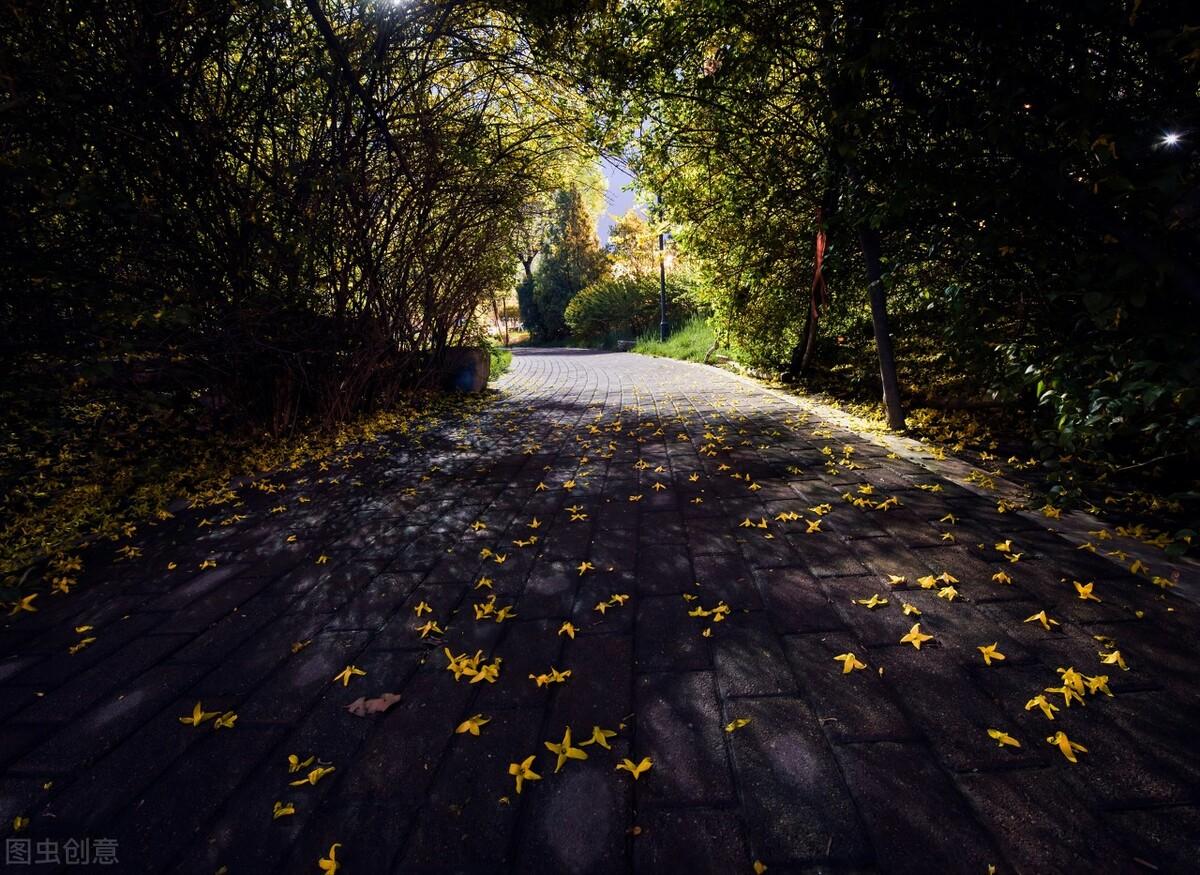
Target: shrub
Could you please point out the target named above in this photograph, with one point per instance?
(628, 306)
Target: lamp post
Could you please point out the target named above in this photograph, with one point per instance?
(663, 328)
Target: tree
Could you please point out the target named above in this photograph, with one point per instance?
(633, 245)
(571, 259)
(996, 187)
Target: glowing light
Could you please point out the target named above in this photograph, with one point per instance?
(1171, 139)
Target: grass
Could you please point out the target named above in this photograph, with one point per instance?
(501, 361)
(689, 343)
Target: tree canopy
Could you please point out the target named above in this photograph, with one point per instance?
(1016, 182)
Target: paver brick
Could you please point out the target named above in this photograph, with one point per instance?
(880, 775)
(795, 803)
(679, 727)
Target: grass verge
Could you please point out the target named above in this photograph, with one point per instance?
(690, 342)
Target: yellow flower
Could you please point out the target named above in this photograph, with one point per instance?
(849, 662)
(1041, 617)
(523, 772)
(80, 645)
(635, 770)
(1003, 738)
(472, 724)
(487, 673)
(295, 764)
(736, 723)
(348, 672)
(910, 610)
(585, 567)
(1114, 658)
(329, 863)
(1085, 591)
(225, 721)
(431, 627)
(313, 776)
(990, 652)
(564, 751)
(600, 737)
(916, 637)
(1040, 701)
(199, 715)
(283, 809)
(873, 602)
(567, 629)
(1067, 746)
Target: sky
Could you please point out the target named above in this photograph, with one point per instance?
(618, 201)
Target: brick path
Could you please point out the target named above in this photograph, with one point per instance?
(888, 768)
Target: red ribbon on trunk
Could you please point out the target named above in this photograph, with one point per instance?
(820, 294)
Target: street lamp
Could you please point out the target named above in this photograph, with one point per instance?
(663, 327)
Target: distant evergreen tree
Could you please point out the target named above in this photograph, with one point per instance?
(571, 259)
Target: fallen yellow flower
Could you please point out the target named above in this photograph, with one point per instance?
(472, 724)
(564, 751)
(849, 662)
(635, 770)
(523, 772)
(1067, 746)
(916, 637)
(348, 672)
(199, 715)
(1003, 738)
(990, 652)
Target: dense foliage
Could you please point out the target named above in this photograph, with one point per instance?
(627, 306)
(229, 216)
(1003, 171)
(570, 259)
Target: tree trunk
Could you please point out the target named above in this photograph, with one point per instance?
(868, 239)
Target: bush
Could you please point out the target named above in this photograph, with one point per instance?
(628, 307)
